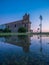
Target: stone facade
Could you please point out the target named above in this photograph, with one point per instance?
(25, 22)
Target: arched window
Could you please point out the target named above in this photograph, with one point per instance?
(15, 25)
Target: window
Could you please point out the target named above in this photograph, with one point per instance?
(25, 25)
(8, 26)
(15, 25)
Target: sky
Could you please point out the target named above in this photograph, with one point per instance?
(13, 10)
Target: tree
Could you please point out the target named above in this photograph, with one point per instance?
(1, 30)
(22, 30)
(6, 30)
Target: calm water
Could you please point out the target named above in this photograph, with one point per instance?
(24, 50)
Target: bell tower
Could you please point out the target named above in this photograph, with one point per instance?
(26, 22)
(26, 17)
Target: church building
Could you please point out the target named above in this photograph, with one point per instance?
(15, 25)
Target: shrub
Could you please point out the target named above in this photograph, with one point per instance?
(22, 30)
(6, 30)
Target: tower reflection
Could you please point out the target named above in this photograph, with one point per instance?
(40, 41)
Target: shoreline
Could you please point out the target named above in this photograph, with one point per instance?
(28, 33)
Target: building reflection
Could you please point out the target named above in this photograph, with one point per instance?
(22, 41)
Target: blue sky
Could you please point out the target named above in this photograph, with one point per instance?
(11, 10)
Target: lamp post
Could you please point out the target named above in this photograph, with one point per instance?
(40, 23)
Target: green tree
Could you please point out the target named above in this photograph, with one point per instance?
(1, 30)
(6, 30)
(22, 30)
